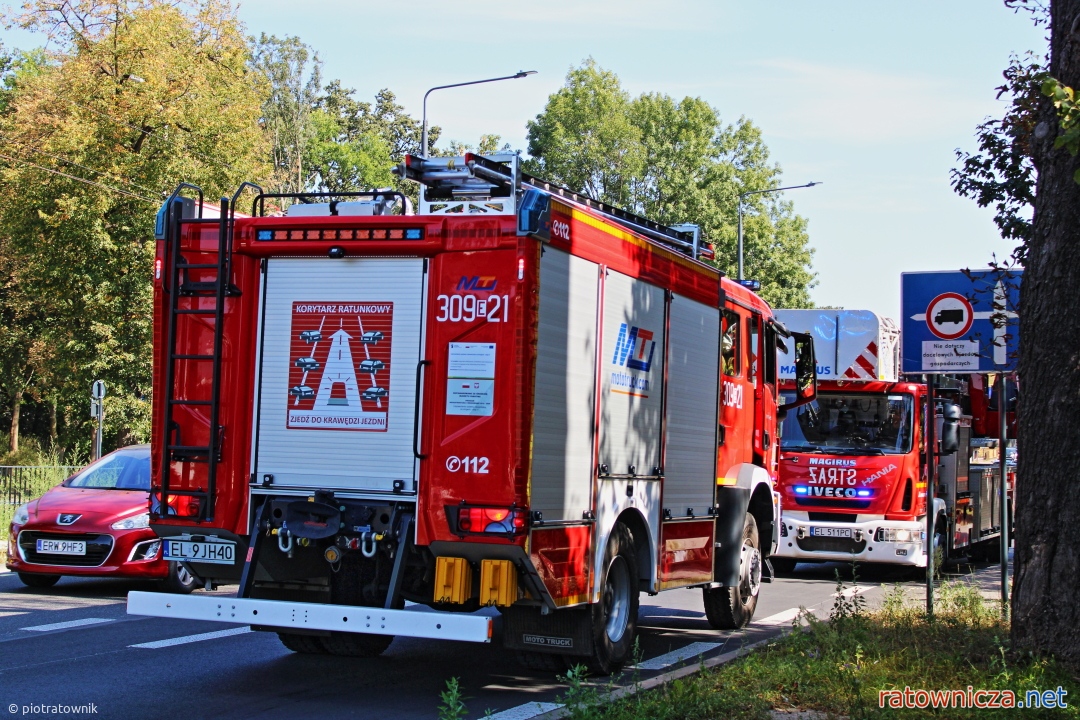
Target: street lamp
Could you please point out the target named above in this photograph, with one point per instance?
(423, 132)
(759, 192)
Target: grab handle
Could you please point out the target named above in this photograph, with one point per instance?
(416, 412)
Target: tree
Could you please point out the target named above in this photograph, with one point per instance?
(1046, 617)
(132, 98)
(674, 161)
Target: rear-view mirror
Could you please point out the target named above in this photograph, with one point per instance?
(950, 429)
(805, 371)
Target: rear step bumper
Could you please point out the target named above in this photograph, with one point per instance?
(313, 616)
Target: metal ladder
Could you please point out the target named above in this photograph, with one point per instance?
(181, 290)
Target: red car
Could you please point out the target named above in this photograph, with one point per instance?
(94, 524)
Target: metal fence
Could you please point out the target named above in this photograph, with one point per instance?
(22, 483)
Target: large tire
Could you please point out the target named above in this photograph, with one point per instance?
(356, 644)
(614, 618)
(179, 581)
(728, 608)
(783, 565)
(35, 580)
(305, 644)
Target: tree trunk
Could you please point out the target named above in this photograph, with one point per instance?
(16, 407)
(52, 425)
(1046, 614)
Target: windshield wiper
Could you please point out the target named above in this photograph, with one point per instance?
(851, 451)
(800, 448)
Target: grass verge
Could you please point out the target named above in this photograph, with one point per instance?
(838, 667)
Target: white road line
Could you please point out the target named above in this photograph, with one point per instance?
(780, 618)
(192, 638)
(66, 625)
(667, 659)
(524, 712)
(853, 591)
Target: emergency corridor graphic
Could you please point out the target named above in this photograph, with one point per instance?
(339, 366)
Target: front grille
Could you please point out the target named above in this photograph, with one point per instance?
(830, 544)
(97, 549)
(830, 517)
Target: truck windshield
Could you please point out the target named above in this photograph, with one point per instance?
(850, 424)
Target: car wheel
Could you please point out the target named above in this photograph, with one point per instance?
(38, 581)
(180, 579)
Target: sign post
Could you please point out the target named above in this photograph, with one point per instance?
(963, 323)
(97, 410)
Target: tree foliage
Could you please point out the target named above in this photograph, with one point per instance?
(131, 98)
(674, 161)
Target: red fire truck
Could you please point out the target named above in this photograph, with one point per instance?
(518, 397)
(853, 465)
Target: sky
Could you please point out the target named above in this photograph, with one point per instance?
(870, 99)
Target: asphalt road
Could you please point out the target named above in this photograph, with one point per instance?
(74, 645)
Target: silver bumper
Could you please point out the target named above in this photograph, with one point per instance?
(313, 616)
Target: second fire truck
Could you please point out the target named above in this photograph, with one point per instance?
(518, 397)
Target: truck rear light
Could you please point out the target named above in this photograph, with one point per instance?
(183, 506)
(485, 520)
(157, 269)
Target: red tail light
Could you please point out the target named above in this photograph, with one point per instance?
(473, 520)
(157, 269)
(180, 506)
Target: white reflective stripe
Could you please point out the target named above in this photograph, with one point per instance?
(526, 711)
(780, 618)
(313, 616)
(667, 659)
(192, 638)
(66, 625)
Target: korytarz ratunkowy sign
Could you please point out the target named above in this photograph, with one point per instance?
(960, 322)
(339, 365)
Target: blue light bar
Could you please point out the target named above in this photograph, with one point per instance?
(864, 493)
(801, 490)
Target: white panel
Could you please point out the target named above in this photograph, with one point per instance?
(632, 375)
(694, 357)
(562, 463)
(357, 383)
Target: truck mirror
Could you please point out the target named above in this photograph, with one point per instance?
(805, 372)
(950, 429)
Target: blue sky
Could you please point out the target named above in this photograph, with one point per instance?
(872, 99)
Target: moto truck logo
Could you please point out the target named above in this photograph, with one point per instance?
(634, 350)
(339, 366)
(477, 283)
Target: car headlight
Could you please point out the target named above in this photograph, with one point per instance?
(22, 514)
(135, 522)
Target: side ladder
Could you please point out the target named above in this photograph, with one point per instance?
(202, 296)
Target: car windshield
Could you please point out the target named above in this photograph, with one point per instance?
(127, 469)
(855, 424)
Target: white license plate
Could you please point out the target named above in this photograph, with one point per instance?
(221, 553)
(830, 532)
(61, 547)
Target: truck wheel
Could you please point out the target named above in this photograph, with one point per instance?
(38, 581)
(783, 565)
(356, 645)
(728, 608)
(305, 644)
(543, 662)
(614, 618)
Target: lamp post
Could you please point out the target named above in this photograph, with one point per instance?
(423, 132)
(760, 192)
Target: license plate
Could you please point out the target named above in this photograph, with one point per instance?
(61, 547)
(221, 553)
(830, 532)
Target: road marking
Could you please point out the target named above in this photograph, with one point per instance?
(667, 659)
(853, 591)
(192, 638)
(780, 618)
(66, 625)
(526, 711)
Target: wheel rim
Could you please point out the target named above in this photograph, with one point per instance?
(183, 576)
(617, 600)
(750, 583)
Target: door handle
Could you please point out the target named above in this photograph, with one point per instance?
(416, 410)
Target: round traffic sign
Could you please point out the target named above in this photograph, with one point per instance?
(949, 316)
(97, 391)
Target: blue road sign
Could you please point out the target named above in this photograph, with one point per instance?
(958, 322)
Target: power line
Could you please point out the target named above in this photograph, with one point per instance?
(63, 159)
(79, 179)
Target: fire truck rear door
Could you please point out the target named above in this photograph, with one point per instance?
(339, 347)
